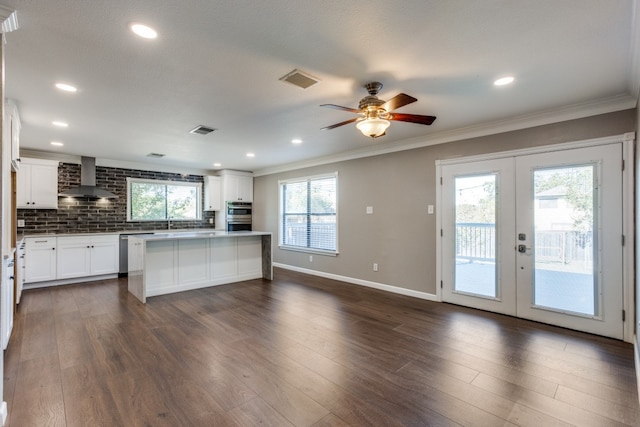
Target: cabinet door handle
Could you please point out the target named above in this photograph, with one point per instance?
(88, 246)
(53, 249)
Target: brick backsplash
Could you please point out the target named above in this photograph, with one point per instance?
(85, 215)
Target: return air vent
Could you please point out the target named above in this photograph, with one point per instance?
(202, 130)
(300, 79)
(155, 155)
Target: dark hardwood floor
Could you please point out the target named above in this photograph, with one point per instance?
(302, 351)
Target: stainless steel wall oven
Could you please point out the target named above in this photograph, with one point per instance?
(238, 216)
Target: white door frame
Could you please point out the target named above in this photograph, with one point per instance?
(628, 273)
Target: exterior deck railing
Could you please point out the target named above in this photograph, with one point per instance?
(477, 242)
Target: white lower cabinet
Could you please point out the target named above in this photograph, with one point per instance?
(40, 259)
(20, 254)
(68, 257)
(105, 252)
(160, 267)
(223, 258)
(74, 257)
(250, 256)
(193, 265)
(167, 266)
(80, 256)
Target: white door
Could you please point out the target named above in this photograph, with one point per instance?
(478, 221)
(538, 236)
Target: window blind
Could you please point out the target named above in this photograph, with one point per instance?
(309, 213)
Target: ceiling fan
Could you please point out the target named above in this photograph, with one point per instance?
(375, 113)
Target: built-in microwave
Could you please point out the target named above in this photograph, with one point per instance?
(239, 209)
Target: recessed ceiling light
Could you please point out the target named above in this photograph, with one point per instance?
(144, 31)
(66, 87)
(57, 144)
(504, 81)
(296, 141)
(217, 165)
(60, 124)
(251, 155)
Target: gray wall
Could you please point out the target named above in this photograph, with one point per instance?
(400, 236)
(637, 224)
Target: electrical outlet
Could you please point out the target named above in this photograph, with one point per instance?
(369, 210)
(375, 266)
(310, 258)
(210, 220)
(21, 223)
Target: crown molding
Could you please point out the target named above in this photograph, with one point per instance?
(611, 104)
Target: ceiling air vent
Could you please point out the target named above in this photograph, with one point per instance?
(202, 130)
(300, 79)
(155, 155)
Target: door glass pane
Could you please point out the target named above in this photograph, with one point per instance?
(564, 276)
(475, 219)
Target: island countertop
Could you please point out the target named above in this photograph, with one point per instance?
(170, 262)
(161, 235)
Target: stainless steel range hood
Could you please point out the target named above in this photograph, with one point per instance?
(87, 186)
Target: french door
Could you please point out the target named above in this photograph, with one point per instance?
(538, 236)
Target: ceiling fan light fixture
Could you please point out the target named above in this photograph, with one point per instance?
(373, 127)
(503, 81)
(143, 31)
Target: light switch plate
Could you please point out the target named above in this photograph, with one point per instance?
(369, 210)
(430, 209)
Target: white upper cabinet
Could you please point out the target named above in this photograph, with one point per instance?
(212, 193)
(237, 186)
(37, 184)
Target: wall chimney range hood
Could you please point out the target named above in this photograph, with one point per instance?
(87, 186)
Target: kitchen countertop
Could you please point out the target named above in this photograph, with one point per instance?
(198, 235)
(20, 236)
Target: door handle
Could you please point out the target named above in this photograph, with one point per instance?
(522, 249)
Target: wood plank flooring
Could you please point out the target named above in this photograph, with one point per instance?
(301, 351)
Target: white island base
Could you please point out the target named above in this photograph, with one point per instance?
(161, 264)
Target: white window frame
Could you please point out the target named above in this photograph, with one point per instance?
(197, 185)
(281, 213)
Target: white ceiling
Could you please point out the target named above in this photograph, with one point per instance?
(218, 63)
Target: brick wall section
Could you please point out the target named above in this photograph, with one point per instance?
(82, 214)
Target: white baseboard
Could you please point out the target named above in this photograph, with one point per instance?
(637, 359)
(3, 412)
(367, 283)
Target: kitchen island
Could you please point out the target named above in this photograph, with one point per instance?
(165, 263)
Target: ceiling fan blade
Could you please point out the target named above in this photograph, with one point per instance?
(412, 118)
(339, 107)
(346, 122)
(398, 101)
